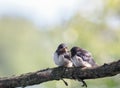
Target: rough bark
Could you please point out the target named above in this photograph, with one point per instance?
(58, 73)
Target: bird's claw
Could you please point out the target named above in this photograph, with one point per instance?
(65, 82)
(84, 83)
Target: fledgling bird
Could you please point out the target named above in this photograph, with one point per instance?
(82, 58)
(62, 56)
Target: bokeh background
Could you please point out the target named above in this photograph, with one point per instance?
(30, 31)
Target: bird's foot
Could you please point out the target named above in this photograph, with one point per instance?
(84, 83)
(64, 69)
(65, 82)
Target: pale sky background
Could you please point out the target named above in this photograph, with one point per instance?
(52, 12)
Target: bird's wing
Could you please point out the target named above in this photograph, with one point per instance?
(77, 61)
(67, 55)
(83, 63)
(86, 56)
(92, 62)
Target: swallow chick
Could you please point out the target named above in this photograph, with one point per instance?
(62, 56)
(82, 58)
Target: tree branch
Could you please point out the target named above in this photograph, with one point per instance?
(58, 73)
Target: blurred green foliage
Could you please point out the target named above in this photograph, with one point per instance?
(26, 48)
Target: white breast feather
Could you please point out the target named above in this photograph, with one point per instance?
(78, 61)
(61, 61)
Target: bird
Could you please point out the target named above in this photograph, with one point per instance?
(62, 56)
(81, 57)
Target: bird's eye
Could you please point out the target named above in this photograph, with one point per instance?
(60, 47)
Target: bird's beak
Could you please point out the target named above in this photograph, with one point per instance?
(65, 49)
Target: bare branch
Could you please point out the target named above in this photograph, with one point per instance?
(58, 73)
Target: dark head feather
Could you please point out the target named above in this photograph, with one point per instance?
(60, 48)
